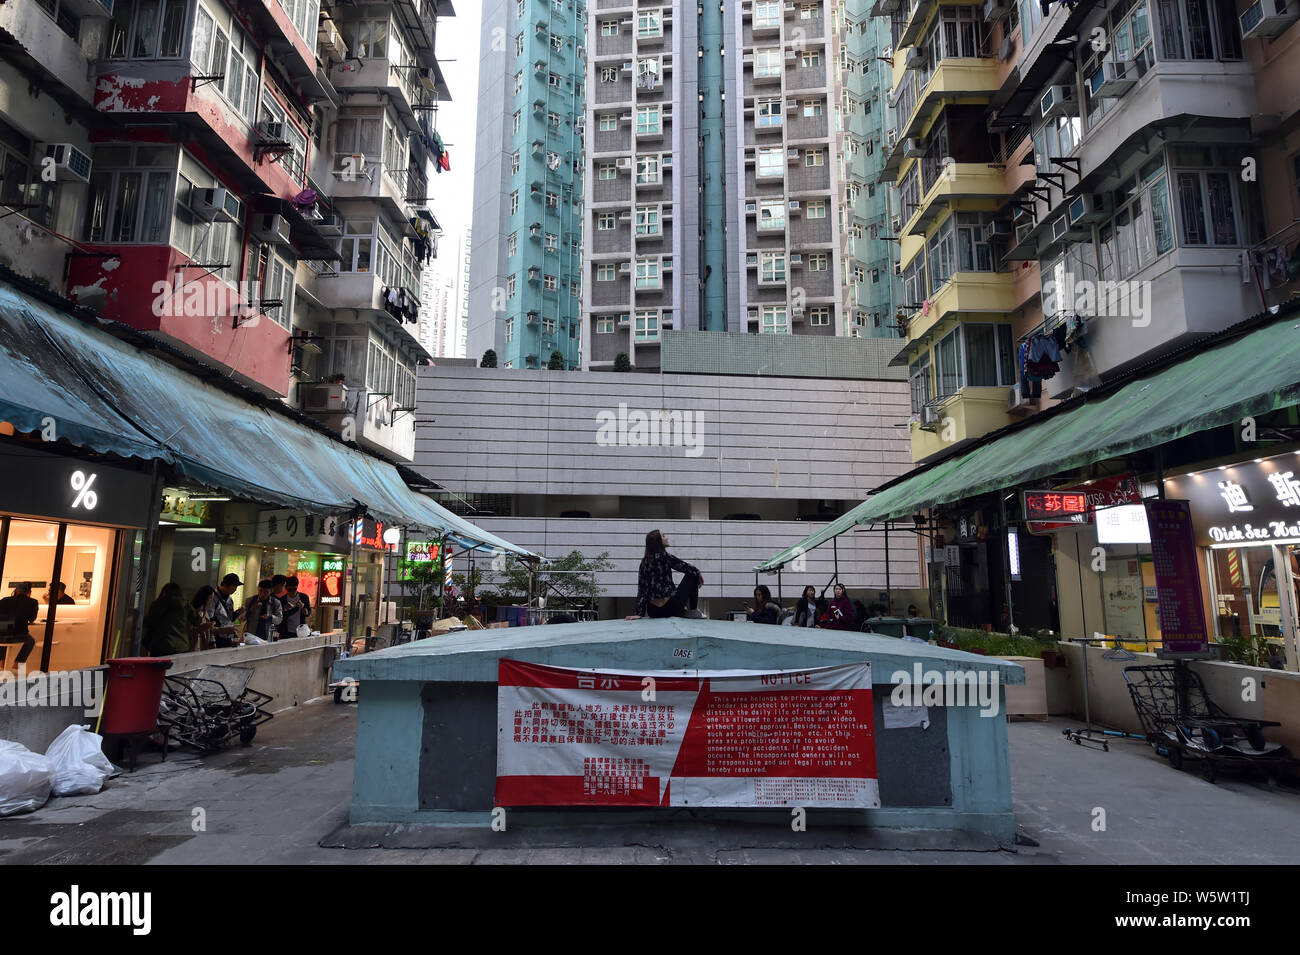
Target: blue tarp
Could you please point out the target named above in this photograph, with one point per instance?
(104, 394)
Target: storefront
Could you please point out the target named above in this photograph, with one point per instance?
(297, 544)
(79, 523)
(369, 599)
(1246, 518)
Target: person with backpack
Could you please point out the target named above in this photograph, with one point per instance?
(169, 623)
(263, 613)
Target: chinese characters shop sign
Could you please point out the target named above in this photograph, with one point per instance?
(735, 738)
(1250, 503)
(1178, 578)
(1102, 492)
(1054, 505)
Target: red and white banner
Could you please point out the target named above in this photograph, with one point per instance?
(731, 738)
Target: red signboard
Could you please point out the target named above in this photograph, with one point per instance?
(1047, 504)
(1178, 578)
(1103, 492)
(738, 738)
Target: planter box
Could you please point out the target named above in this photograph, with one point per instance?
(1028, 701)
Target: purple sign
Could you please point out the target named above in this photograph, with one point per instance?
(1178, 578)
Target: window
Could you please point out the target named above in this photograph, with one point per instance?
(818, 262)
(510, 330)
(519, 45)
(768, 113)
(553, 120)
(647, 170)
(918, 380)
(812, 107)
(147, 30)
(22, 184)
(510, 287)
(973, 252)
(551, 242)
(608, 123)
(605, 272)
(514, 202)
(772, 320)
(605, 221)
(648, 24)
(517, 117)
(647, 325)
(817, 209)
(277, 286)
(609, 28)
(771, 267)
(948, 358)
(607, 170)
(1207, 200)
(767, 14)
(230, 56)
(549, 284)
(647, 220)
(809, 11)
(914, 286)
(131, 193)
(554, 81)
(1142, 227)
(552, 200)
(647, 120)
(771, 214)
(810, 58)
(819, 315)
(990, 355)
(814, 157)
(941, 253)
(512, 244)
(768, 62)
(519, 82)
(604, 324)
(514, 162)
(609, 74)
(771, 161)
(557, 44)
(647, 274)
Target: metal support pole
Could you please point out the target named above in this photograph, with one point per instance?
(357, 517)
(778, 586)
(52, 607)
(889, 590)
(835, 553)
(148, 543)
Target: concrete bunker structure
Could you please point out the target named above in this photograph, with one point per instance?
(427, 726)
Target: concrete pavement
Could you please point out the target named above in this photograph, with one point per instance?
(285, 800)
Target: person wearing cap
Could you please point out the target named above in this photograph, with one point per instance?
(221, 610)
(297, 608)
(16, 612)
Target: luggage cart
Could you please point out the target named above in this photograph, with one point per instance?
(1181, 721)
(209, 710)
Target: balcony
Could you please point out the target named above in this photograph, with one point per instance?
(34, 43)
(366, 177)
(969, 414)
(959, 180)
(397, 84)
(964, 294)
(284, 44)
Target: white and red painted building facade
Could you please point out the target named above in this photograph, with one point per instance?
(247, 180)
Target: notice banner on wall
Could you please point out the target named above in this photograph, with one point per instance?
(1178, 578)
(732, 738)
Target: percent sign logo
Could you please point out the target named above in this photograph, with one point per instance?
(85, 497)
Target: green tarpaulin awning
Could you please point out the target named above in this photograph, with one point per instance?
(1253, 373)
(105, 394)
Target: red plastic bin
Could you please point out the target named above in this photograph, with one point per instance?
(134, 690)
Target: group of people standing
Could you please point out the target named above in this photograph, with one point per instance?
(208, 620)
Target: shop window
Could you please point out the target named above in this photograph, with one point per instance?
(85, 558)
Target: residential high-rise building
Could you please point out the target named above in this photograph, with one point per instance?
(1074, 200)
(246, 182)
(525, 283)
(727, 167)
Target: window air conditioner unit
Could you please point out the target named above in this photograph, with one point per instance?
(625, 217)
(666, 163)
(329, 224)
(666, 265)
(1267, 18)
(931, 420)
(1018, 399)
(794, 205)
(751, 208)
(269, 227)
(898, 270)
(1058, 101)
(271, 131)
(995, 10)
(896, 223)
(1060, 228)
(796, 258)
(624, 267)
(69, 162)
(998, 229)
(625, 164)
(751, 259)
(913, 149)
(915, 58)
(1086, 208)
(792, 155)
(1114, 79)
(216, 205)
(331, 397)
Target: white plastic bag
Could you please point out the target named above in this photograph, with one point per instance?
(24, 779)
(79, 764)
(303, 630)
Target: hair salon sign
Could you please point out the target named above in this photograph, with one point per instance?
(1243, 504)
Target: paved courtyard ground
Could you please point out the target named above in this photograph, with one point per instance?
(285, 800)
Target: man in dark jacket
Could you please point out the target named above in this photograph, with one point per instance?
(17, 611)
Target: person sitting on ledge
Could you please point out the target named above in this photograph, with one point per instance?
(839, 615)
(656, 597)
(763, 611)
